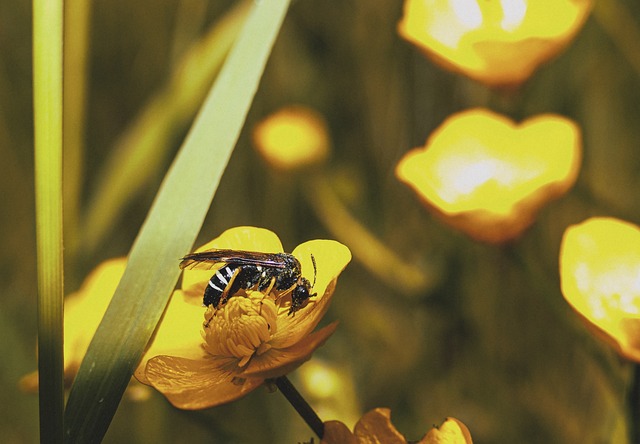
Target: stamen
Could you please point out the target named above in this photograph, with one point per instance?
(241, 327)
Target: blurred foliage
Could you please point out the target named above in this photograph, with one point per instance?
(489, 340)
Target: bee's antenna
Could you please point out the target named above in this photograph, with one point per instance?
(315, 270)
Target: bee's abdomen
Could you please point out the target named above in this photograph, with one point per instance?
(217, 285)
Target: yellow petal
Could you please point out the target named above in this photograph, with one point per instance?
(451, 431)
(85, 308)
(600, 279)
(178, 334)
(331, 258)
(237, 238)
(375, 427)
(336, 432)
(497, 43)
(196, 384)
(487, 176)
(277, 362)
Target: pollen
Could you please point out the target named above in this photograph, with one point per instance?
(241, 328)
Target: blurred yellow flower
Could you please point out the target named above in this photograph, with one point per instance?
(375, 427)
(600, 279)
(83, 311)
(488, 177)
(293, 137)
(499, 43)
(198, 364)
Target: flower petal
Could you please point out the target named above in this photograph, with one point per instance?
(331, 258)
(452, 431)
(196, 384)
(237, 238)
(375, 427)
(497, 43)
(600, 279)
(336, 432)
(178, 334)
(277, 362)
(85, 308)
(488, 176)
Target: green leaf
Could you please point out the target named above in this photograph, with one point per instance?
(169, 231)
(141, 150)
(47, 106)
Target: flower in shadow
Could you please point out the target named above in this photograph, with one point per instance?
(375, 427)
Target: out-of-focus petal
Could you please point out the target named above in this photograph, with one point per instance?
(336, 432)
(487, 176)
(85, 308)
(496, 43)
(600, 279)
(375, 427)
(293, 137)
(452, 431)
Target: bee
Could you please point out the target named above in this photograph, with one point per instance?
(249, 269)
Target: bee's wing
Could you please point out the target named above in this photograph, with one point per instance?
(205, 260)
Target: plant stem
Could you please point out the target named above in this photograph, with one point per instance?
(634, 406)
(47, 108)
(301, 405)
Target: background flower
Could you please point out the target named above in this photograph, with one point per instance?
(487, 176)
(600, 278)
(293, 137)
(375, 427)
(497, 43)
(83, 312)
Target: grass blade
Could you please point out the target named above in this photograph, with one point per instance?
(47, 106)
(76, 41)
(141, 150)
(169, 231)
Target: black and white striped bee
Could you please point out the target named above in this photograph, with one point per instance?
(249, 269)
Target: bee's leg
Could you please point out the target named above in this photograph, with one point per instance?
(269, 288)
(231, 287)
(266, 291)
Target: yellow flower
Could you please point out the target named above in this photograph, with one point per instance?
(293, 137)
(600, 279)
(83, 312)
(252, 337)
(496, 43)
(483, 174)
(375, 427)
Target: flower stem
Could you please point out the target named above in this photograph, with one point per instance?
(634, 406)
(301, 405)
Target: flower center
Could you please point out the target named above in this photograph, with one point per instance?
(242, 327)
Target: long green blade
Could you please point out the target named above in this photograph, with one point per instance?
(169, 231)
(47, 106)
(141, 151)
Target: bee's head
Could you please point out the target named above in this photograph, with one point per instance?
(300, 295)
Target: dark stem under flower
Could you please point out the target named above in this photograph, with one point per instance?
(634, 406)
(300, 404)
